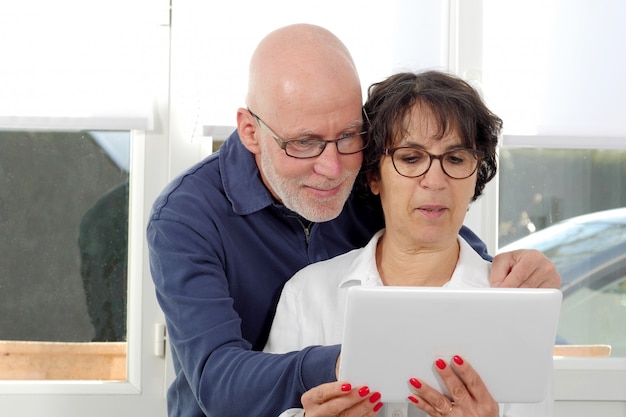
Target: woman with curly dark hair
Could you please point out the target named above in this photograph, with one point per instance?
(453, 104)
(431, 149)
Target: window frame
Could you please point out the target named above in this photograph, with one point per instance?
(144, 391)
(136, 234)
(575, 379)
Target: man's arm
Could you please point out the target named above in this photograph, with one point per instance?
(212, 358)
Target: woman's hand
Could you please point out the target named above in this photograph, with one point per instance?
(469, 395)
(340, 399)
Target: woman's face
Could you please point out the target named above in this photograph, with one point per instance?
(425, 212)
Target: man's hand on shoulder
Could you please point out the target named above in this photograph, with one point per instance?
(524, 268)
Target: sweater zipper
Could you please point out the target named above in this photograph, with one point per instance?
(307, 229)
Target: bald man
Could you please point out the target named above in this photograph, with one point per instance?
(228, 233)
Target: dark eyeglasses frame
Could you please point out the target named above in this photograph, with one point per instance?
(475, 153)
(321, 142)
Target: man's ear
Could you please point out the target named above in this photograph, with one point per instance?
(373, 181)
(247, 127)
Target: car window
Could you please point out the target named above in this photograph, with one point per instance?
(596, 313)
(570, 243)
(581, 243)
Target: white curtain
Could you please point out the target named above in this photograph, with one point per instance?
(556, 67)
(72, 64)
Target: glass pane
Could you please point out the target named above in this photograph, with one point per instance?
(63, 270)
(571, 205)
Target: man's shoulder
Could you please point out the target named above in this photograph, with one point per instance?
(196, 183)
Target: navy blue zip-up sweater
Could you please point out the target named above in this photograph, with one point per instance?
(220, 251)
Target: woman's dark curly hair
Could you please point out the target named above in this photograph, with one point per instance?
(452, 101)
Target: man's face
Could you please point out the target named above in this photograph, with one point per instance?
(316, 188)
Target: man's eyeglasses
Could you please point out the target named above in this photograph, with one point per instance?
(347, 144)
(412, 162)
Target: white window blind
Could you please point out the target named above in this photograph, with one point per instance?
(71, 64)
(556, 68)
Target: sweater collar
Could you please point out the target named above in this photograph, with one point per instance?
(241, 177)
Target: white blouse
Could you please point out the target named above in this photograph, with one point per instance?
(311, 311)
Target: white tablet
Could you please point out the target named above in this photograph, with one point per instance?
(392, 334)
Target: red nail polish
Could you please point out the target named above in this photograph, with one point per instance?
(415, 383)
(375, 397)
(458, 360)
(378, 406)
(440, 364)
(363, 391)
(346, 387)
(413, 399)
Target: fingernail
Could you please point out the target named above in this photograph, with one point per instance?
(440, 364)
(375, 397)
(363, 391)
(378, 406)
(458, 360)
(413, 399)
(415, 383)
(346, 387)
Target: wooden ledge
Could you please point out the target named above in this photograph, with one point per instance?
(596, 351)
(25, 360)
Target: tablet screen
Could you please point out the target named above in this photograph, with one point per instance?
(392, 334)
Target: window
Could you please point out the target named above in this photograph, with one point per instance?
(66, 172)
(563, 154)
(63, 272)
(571, 205)
(78, 79)
(551, 71)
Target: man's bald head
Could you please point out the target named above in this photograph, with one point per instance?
(296, 63)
